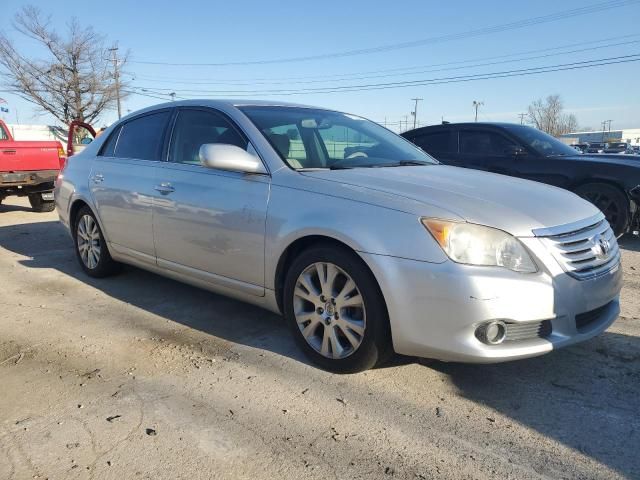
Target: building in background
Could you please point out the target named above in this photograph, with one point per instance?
(38, 132)
(629, 135)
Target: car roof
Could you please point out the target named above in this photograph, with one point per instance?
(445, 126)
(220, 103)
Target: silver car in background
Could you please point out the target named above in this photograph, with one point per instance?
(362, 241)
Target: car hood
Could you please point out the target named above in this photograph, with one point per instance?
(514, 205)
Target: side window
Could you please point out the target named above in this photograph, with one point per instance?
(479, 142)
(109, 147)
(343, 142)
(288, 141)
(437, 142)
(141, 137)
(194, 128)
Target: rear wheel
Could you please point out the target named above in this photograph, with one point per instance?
(611, 201)
(91, 248)
(336, 311)
(40, 205)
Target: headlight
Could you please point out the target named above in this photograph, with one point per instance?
(479, 245)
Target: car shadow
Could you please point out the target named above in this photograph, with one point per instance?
(585, 396)
(13, 208)
(630, 242)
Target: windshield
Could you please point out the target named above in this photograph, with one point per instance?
(542, 143)
(312, 138)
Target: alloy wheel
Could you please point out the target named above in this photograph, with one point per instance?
(329, 310)
(88, 238)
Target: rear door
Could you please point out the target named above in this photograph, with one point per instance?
(440, 144)
(122, 182)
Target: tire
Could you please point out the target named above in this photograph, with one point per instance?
(611, 201)
(39, 205)
(345, 332)
(91, 249)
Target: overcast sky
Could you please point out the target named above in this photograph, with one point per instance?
(193, 31)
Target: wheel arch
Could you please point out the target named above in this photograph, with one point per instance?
(596, 180)
(298, 246)
(77, 204)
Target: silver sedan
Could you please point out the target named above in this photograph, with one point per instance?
(362, 241)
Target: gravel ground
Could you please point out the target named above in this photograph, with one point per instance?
(137, 376)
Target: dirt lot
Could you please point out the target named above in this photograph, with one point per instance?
(138, 376)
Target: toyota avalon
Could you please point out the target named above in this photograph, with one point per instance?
(362, 241)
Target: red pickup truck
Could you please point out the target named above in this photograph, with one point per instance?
(29, 168)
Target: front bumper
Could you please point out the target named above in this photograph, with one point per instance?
(434, 309)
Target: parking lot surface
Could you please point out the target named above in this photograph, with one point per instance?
(138, 376)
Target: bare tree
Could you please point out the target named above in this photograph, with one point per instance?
(548, 115)
(75, 80)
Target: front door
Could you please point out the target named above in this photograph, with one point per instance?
(488, 150)
(210, 224)
(122, 183)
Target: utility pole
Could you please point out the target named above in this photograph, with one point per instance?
(609, 122)
(522, 115)
(477, 105)
(415, 110)
(116, 77)
(604, 127)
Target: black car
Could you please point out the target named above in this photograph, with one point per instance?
(611, 182)
(596, 147)
(619, 147)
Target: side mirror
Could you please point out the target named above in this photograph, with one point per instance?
(229, 157)
(515, 151)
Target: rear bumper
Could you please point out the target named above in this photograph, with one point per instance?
(435, 309)
(27, 178)
(27, 182)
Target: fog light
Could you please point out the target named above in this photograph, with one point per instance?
(492, 333)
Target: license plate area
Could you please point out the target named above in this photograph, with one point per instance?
(46, 196)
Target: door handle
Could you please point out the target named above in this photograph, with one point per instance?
(9, 152)
(97, 178)
(165, 188)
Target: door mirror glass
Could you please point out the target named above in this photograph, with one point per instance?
(229, 157)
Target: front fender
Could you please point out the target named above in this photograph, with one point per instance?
(366, 228)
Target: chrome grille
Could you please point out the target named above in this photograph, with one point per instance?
(527, 330)
(585, 253)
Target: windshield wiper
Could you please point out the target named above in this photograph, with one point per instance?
(410, 163)
(340, 167)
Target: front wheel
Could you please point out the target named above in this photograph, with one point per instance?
(335, 308)
(40, 205)
(611, 201)
(91, 248)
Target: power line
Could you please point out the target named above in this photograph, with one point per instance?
(424, 82)
(564, 14)
(403, 71)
